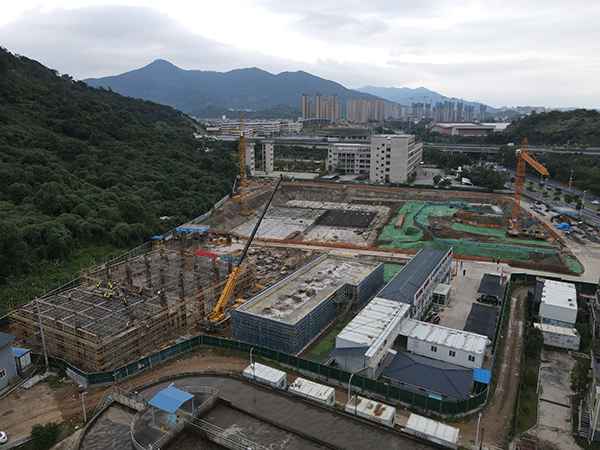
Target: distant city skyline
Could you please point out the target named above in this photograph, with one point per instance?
(534, 53)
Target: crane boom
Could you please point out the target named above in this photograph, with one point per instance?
(524, 158)
(218, 316)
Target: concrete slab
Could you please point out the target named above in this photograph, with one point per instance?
(554, 429)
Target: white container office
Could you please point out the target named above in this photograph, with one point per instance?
(432, 431)
(560, 337)
(372, 410)
(313, 391)
(266, 374)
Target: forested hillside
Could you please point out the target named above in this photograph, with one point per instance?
(82, 168)
(240, 89)
(580, 127)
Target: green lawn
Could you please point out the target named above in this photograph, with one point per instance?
(321, 352)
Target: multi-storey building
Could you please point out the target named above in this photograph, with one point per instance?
(394, 157)
(388, 158)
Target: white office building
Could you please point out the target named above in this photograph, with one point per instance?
(387, 159)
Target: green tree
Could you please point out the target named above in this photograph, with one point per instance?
(534, 341)
(437, 178)
(446, 182)
(44, 436)
(580, 378)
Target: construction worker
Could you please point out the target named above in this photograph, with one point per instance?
(98, 285)
(127, 324)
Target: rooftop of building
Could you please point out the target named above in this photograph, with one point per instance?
(558, 293)
(293, 297)
(448, 337)
(437, 376)
(371, 323)
(405, 285)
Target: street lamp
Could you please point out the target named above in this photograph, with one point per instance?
(477, 435)
(583, 202)
(481, 443)
(349, 385)
(83, 404)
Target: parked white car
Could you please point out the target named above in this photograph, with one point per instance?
(3, 437)
(595, 202)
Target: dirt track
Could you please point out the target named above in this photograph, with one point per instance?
(497, 414)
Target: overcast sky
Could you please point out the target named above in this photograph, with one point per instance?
(511, 52)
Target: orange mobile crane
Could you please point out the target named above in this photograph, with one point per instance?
(220, 316)
(524, 157)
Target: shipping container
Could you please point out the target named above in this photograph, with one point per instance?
(313, 391)
(267, 375)
(432, 431)
(372, 410)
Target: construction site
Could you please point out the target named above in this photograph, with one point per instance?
(291, 313)
(126, 310)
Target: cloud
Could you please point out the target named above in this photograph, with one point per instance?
(513, 53)
(98, 41)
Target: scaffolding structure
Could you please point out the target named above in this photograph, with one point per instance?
(289, 315)
(124, 311)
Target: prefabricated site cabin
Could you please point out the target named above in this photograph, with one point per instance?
(558, 306)
(372, 410)
(267, 375)
(313, 391)
(561, 337)
(415, 283)
(363, 345)
(445, 344)
(432, 431)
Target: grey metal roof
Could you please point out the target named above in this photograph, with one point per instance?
(436, 376)
(490, 285)
(6, 338)
(482, 319)
(407, 282)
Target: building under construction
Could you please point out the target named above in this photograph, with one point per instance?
(124, 311)
(290, 314)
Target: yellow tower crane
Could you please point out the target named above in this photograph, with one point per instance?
(243, 181)
(524, 157)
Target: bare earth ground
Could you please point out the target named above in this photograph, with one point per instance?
(22, 408)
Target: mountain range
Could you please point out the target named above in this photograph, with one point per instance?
(202, 93)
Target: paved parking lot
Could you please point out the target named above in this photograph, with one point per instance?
(464, 291)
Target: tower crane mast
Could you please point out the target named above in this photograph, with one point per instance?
(524, 158)
(243, 181)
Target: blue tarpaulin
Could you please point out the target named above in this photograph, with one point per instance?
(170, 399)
(564, 226)
(482, 375)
